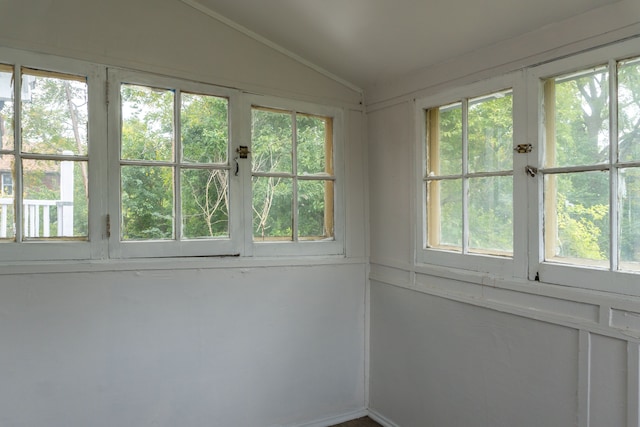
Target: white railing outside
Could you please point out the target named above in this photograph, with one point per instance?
(36, 214)
(37, 218)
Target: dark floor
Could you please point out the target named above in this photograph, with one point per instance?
(360, 422)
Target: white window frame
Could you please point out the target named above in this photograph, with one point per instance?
(240, 241)
(104, 172)
(59, 250)
(589, 277)
(334, 246)
(514, 266)
(230, 246)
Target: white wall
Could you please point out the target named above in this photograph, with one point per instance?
(460, 365)
(164, 36)
(213, 347)
(597, 27)
(449, 349)
(184, 343)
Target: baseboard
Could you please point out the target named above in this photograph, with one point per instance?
(330, 421)
(380, 419)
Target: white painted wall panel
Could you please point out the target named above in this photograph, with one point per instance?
(436, 362)
(221, 347)
(389, 137)
(356, 173)
(608, 382)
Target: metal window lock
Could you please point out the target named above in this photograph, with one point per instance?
(243, 151)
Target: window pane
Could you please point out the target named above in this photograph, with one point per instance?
(491, 215)
(204, 128)
(629, 110)
(147, 202)
(444, 218)
(147, 123)
(7, 220)
(205, 203)
(576, 216)
(54, 115)
(6, 111)
(313, 146)
(491, 133)
(55, 199)
(6, 175)
(7, 209)
(271, 141)
(272, 208)
(629, 218)
(581, 109)
(315, 213)
(445, 140)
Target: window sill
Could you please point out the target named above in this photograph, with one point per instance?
(159, 264)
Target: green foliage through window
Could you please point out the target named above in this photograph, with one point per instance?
(484, 178)
(292, 153)
(151, 166)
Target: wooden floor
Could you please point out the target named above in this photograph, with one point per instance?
(360, 422)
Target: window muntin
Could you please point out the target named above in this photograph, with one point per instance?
(292, 176)
(590, 167)
(469, 175)
(173, 188)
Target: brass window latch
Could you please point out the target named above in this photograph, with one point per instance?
(243, 151)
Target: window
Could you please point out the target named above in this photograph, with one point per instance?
(153, 163)
(188, 186)
(469, 175)
(590, 170)
(53, 156)
(467, 189)
(173, 159)
(292, 175)
(45, 169)
(100, 163)
(294, 188)
(539, 181)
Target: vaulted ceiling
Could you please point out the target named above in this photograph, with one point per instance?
(368, 41)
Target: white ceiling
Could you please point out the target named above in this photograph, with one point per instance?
(369, 41)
